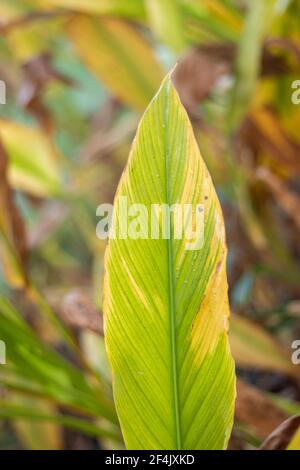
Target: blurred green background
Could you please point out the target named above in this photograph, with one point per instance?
(78, 75)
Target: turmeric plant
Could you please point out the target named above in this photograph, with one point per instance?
(166, 306)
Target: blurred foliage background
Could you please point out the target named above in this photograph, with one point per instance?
(78, 75)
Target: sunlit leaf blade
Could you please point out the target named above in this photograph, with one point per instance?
(166, 307)
(33, 166)
(119, 56)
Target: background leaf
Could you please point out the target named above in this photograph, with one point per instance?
(248, 59)
(167, 22)
(253, 347)
(12, 230)
(284, 437)
(124, 60)
(33, 161)
(116, 7)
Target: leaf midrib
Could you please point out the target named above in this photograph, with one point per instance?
(171, 286)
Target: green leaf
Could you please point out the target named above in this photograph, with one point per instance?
(247, 66)
(42, 371)
(166, 20)
(11, 411)
(166, 306)
(119, 55)
(36, 435)
(134, 8)
(213, 19)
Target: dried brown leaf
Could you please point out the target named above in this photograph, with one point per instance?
(199, 70)
(263, 132)
(282, 435)
(256, 410)
(196, 75)
(286, 199)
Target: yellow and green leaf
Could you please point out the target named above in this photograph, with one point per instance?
(33, 165)
(134, 8)
(295, 442)
(247, 65)
(37, 435)
(119, 56)
(166, 20)
(166, 322)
